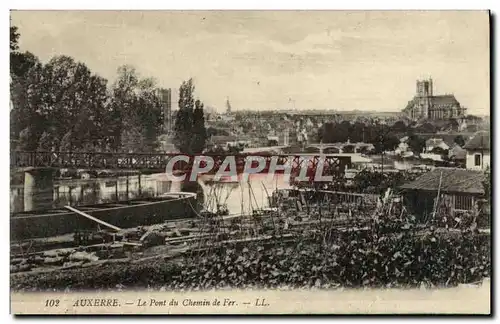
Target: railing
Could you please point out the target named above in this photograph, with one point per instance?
(158, 161)
(88, 160)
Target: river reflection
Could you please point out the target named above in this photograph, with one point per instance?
(240, 196)
(96, 191)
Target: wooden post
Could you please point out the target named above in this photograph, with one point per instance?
(139, 184)
(126, 186)
(436, 204)
(94, 192)
(116, 189)
(70, 199)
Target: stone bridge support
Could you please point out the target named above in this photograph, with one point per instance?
(38, 188)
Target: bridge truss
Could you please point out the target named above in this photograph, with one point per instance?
(158, 161)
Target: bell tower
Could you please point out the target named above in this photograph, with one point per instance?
(424, 88)
(424, 94)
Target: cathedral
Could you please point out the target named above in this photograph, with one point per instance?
(425, 105)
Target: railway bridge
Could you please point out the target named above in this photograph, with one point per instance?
(39, 166)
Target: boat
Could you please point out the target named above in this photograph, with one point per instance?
(124, 214)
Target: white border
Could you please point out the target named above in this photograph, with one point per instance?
(189, 4)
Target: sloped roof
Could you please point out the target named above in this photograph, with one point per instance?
(457, 153)
(222, 139)
(435, 142)
(454, 180)
(444, 100)
(410, 104)
(480, 141)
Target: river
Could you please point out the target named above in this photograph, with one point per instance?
(240, 197)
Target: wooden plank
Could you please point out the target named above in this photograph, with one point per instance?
(132, 243)
(93, 218)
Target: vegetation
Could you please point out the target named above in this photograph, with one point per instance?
(369, 182)
(356, 259)
(381, 136)
(460, 140)
(190, 133)
(487, 189)
(378, 182)
(416, 143)
(388, 253)
(63, 105)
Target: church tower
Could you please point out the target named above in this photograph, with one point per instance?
(228, 106)
(424, 94)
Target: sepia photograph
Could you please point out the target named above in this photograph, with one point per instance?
(250, 162)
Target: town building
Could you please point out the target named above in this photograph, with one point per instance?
(437, 145)
(457, 155)
(459, 189)
(478, 151)
(165, 98)
(426, 105)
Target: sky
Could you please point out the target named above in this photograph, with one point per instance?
(275, 60)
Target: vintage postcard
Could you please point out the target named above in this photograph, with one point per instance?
(250, 162)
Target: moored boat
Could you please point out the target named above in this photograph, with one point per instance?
(129, 213)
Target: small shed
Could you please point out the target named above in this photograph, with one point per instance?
(459, 188)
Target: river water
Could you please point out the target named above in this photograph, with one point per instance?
(243, 195)
(240, 196)
(97, 190)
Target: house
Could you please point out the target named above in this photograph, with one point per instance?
(478, 151)
(432, 157)
(225, 118)
(457, 155)
(273, 140)
(402, 148)
(220, 141)
(436, 143)
(460, 189)
(363, 147)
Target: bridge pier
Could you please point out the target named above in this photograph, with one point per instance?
(38, 188)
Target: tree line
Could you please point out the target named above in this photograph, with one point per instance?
(383, 137)
(62, 105)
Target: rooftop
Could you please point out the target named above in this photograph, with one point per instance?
(453, 180)
(444, 100)
(480, 141)
(435, 142)
(457, 153)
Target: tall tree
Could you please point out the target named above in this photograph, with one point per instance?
(14, 39)
(135, 112)
(50, 101)
(74, 101)
(27, 93)
(416, 143)
(399, 127)
(199, 132)
(190, 132)
(460, 140)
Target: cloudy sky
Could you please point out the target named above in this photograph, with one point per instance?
(341, 60)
